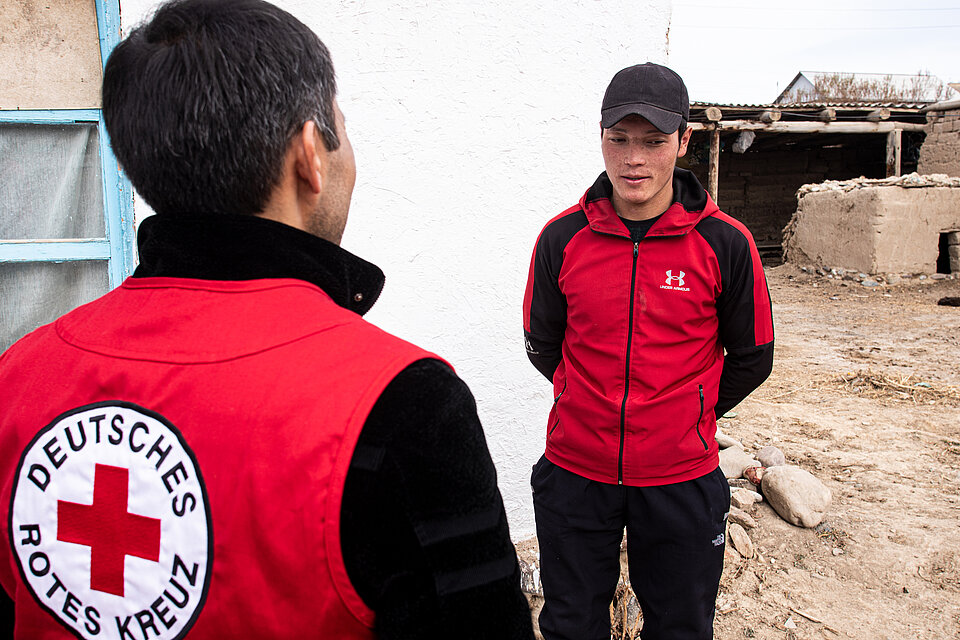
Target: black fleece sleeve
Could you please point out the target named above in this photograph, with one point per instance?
(545, 356)
(424, 532)
(544, 304)
(6, 615)
(743, 311)
(545, 311)
(743, 371)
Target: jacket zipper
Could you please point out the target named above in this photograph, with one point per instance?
(626, 372)
(699, 418)
(555, 401)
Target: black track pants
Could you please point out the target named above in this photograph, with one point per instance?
(675, 544)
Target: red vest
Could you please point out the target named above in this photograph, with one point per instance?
(173, 458)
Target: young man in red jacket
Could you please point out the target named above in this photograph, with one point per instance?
(222, 447)
(647, 308)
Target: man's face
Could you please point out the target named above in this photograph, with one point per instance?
(330, 216)
(639, 159)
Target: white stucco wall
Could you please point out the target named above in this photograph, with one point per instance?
(473, 123)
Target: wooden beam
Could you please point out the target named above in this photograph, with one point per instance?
(878, 114)
(713, 173)
(945, 105)
(770, 115)
(810, 126)
(828, 115)
(713, 114)
(894, 139)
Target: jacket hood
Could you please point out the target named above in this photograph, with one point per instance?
(691, 204)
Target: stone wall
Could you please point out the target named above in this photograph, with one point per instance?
(876, 226)
(940, 152)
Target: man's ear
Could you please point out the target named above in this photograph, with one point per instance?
(310, 156)
(684, 141)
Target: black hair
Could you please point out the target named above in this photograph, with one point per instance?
(201, 102)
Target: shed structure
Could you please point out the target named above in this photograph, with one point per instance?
(753, 158)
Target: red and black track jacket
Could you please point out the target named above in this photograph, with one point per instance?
(633, 334)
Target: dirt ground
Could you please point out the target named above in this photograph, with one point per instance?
(864, 395)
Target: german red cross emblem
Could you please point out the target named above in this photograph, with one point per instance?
(110, 524)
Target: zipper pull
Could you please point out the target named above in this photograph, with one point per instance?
(636, 249)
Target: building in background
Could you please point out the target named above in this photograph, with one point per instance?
(823, 126)
(753, 158)
(839, 86)
(473, 124)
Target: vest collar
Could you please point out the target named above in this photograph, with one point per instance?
(226, 247)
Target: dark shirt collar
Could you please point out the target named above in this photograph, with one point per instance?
(221, 247)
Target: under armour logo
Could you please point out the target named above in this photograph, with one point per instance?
(671, 278)
(529, 347)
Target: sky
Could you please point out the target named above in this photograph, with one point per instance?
(747, 51)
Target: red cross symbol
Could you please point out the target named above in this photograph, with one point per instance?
(108, 529)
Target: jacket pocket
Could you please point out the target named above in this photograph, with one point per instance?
(699, 418)
(556, 422)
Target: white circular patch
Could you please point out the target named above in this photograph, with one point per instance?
(110, 524)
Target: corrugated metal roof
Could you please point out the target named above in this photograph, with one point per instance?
(813, 105)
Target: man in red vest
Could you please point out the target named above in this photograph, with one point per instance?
(222, 446)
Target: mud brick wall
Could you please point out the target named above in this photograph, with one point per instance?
(876, 229)
(759, 187)
(940, 152)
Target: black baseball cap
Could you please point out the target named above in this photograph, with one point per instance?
(649, 90)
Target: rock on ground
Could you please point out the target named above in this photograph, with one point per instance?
(744, 498)
(771, 456)
(734, 460)
(741, 541)
(740, 501)
(741, 517)
(797, 495)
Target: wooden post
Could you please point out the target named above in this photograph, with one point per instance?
(894, 138)
(713, 173)
(713, 114)
(828, 115)
(878, 114)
